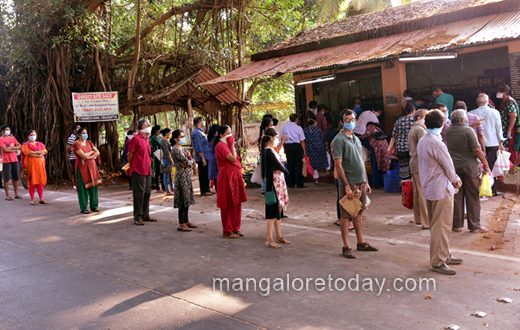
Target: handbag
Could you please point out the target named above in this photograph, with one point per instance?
(25, 175)
(380, 135)
(269, 196)
(166, 168)
(310, 170)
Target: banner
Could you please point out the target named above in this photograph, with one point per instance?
(96, 106)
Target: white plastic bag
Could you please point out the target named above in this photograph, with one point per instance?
(257, 175)
(502, 163)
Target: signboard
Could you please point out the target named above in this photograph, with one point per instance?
(514, 69)
(96, 106)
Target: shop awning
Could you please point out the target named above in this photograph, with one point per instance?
(460, 34)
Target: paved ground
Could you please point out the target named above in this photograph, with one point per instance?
(63, 270)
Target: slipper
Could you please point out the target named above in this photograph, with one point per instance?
(18, 197)
(150, 219)
(93, 210)
(42, 202)
(230, 236)
(86, 212)
(34, 203)
(138, 223)
(497, 194)
(272, 244)
(239, 233)
(190, 225)
(425, 228)
(9, 199)
(337, 223)
(183, 229)
(283, 240)
(352, 229)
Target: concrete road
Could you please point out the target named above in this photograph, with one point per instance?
(64, 270)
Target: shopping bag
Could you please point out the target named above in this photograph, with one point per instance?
(407, 192)
(310, 171)
(257, 175)
(485, 187)
(352, 206)
(173, 174)
(304, 167)
(502, 163)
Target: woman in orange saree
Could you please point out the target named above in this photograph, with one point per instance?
(33, 159)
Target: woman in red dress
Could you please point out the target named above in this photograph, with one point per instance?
(231, 193)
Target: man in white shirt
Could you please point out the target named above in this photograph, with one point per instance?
(365, 118)
(295, 150)
(492, 129)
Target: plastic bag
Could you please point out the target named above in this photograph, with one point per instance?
(257, 175)
(310, 171)
(502, 163)
(407, 192)
(485, 187)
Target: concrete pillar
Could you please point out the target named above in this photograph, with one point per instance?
(394, 82)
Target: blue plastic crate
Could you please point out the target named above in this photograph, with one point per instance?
(395, 167)
(392, 183)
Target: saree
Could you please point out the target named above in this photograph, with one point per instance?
(88, 167)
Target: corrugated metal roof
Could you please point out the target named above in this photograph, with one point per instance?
(481, 30)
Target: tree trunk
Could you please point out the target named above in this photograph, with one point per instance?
(131, 77)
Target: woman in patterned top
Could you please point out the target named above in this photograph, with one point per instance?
(402, 127)
(508, 113)
(315, 147)
(273, 173)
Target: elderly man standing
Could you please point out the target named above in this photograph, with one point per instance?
(420, 212)
(465, 152)
(439, 180)
(492, 129)
(473, 122)
(200, 144)
(139, 152)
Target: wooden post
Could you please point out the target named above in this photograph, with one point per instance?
(166, 123)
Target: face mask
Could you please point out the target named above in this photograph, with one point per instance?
(32, 138)
(500, 95)
(182, 141)
(421, 121)
(85, 136)
(417, 104)
(147, 130)
(129, 137)
(434, 130)
(7, 132)
(349, 126)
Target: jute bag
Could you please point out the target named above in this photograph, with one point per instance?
(352, 206)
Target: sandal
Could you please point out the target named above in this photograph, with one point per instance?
(337, 223)
(93, 210)
(480, 230)
(34, 203)
(86, 212)
(138, 223)
(366, 247)
(230, 236)
(190, 225)
(239, 233)
(283, 240)
(347, 253)
(272, 244)
(148, 219)
(183, 229)
(42, 201)
(18, 197)
(9, 198)
(497, 194)
(457, 230)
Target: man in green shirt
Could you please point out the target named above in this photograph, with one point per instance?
(465, 151)
(350, 167)
(444, 98)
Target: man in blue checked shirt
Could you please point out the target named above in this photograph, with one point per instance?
(200, 146)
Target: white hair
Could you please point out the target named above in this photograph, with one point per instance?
(482, 99)
(457, 115)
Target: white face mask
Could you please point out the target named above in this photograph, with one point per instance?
(129, 137)
(147, 130)
(32, 138)
(7, 132)
(500, 95)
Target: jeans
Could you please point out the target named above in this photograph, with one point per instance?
(167, 177)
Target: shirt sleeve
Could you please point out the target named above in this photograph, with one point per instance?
(498, 127)
(444, 159)
(338, 148)
(302, 135)
(472, 139)
(196, 141)
(132, 144)
(394, 131)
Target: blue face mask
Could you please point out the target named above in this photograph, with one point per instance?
(349, 126)
(85, 136)
(434, 131)
(182, 141)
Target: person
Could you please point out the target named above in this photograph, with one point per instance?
(357, 107)
(312, 111)
(266, 123)
(87, 174)
(11, 168)
(201, 149)
(491, 104)
(231, 192)
(444, 98)
(402, 127)
(509, 113)
(331, 133)
(166, 161)
(295, 151)
(321, 121)
(420, 102)
(447, 123)
(407, 97)
(139, 152)
(184, 196)
(273, 173)
(316, 150)
(155, 142)
(473, 122)
(492, 129)
(33, 159)
(465, 152)
(349, 164)
(72, 157)
(420, 212)
(371, 116)
(129, 135)
(439, 180)
(212, 161)
(1, 171)
(338, 205)
(328, 116)
(379, 158)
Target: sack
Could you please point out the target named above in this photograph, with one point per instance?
(257, 175)
(166, 168)
(485, 187)
(502, 163)
(407, 192)
(307, 163)
(351, 206)
(25, 175)
(304, 168)
(380, 135)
